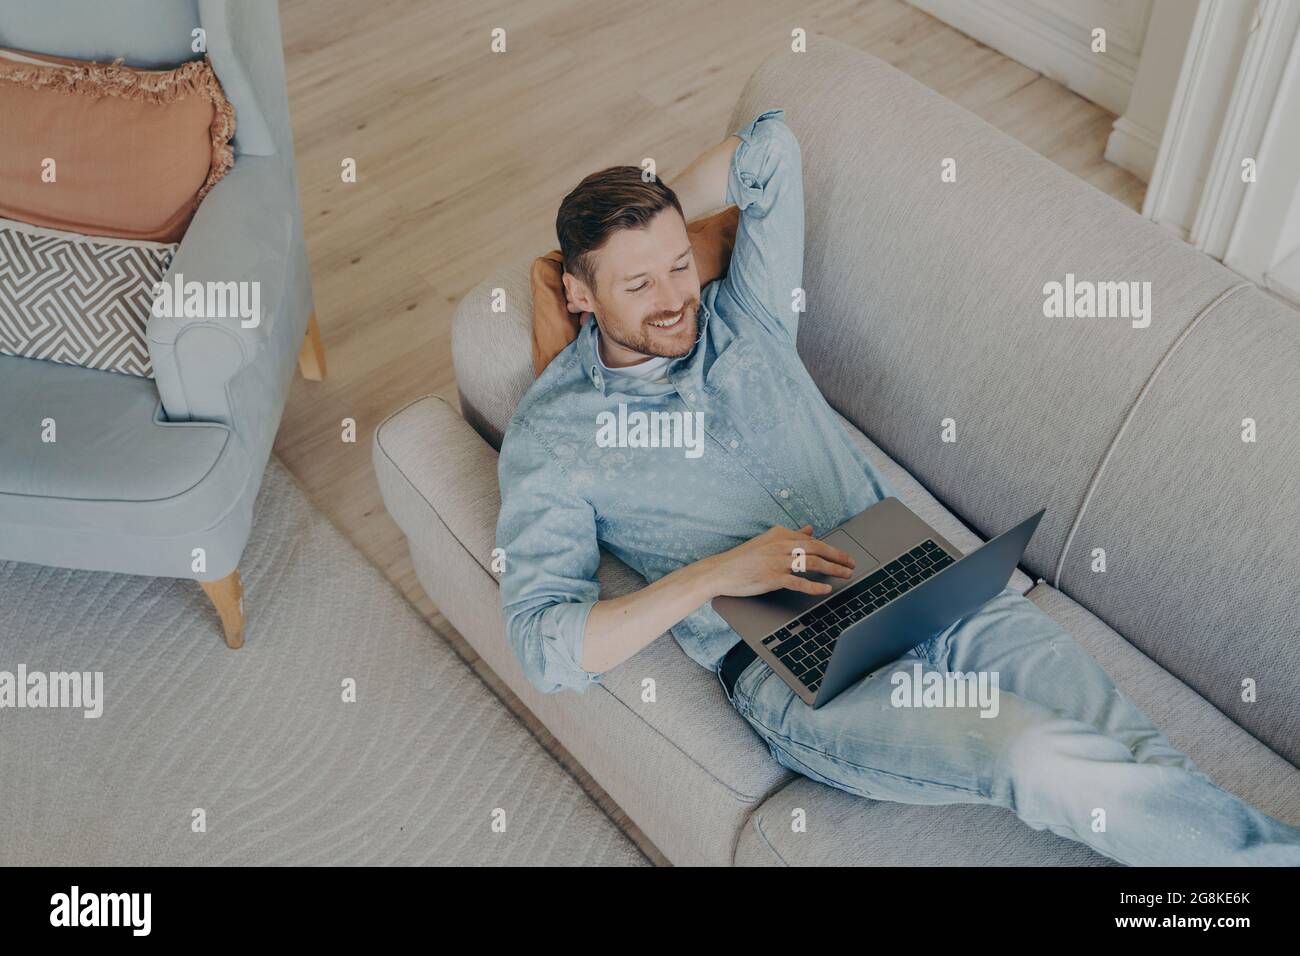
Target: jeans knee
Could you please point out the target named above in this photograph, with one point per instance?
(1036, 764)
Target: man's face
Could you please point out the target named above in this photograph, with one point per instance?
(648, 291)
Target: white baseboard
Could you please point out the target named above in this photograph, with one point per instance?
(1177, 229)
(1101, 78)
(1133, 147)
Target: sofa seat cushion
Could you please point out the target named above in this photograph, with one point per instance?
(1226, 752)
(845, 830)
(115, 463)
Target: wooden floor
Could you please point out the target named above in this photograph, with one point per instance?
(463, 156)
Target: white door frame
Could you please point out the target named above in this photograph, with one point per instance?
(1237, 98)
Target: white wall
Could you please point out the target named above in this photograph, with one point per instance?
(1236, 106)
(1221, 30)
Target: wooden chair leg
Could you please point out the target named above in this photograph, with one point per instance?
(227, 596)
(311, 357)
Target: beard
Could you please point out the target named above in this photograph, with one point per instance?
(645, 339)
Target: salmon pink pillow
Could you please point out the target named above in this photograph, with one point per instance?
(108, 150)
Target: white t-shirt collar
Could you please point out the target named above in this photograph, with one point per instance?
(654, 369)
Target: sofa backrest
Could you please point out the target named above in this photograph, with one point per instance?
(150, 34)
(926, 321)
(492, 352)
(1201, 529)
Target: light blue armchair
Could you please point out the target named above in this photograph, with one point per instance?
(158, 477)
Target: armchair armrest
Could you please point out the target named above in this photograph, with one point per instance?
(226, 290)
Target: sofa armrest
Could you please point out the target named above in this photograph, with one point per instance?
(241, 234)
(435, 452)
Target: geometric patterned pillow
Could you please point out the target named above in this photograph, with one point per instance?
(79, 300)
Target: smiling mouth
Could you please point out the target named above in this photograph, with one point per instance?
(669, 323)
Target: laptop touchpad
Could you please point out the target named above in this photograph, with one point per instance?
(782, 604)
(864, 565)
(798, 602)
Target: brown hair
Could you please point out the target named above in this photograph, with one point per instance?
(603, 203)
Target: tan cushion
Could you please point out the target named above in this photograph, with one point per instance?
(134, 151)
(556, 323)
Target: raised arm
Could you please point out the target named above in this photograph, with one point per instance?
(760, 170)
(766, 182)
(701, 187)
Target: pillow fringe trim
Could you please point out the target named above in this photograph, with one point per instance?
(113, 79)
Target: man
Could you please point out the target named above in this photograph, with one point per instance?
(1065, 750)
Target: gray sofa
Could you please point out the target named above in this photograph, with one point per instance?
(926, 303)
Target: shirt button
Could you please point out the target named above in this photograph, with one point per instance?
(734, 443)
(690, 396)
(785, 492)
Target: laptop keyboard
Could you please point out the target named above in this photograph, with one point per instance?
(805, 644)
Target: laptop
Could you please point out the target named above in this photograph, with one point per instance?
(909, 584)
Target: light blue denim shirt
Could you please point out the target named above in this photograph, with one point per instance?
(772, 451)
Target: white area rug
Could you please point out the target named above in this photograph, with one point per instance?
(260, 740)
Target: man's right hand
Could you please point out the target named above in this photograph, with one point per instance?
(767, 562)
(618, 628)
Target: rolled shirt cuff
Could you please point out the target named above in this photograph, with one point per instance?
(744, 181)
(562, 627)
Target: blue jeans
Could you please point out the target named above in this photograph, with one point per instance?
(1064, 749)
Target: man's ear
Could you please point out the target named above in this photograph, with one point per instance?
(575, 295)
